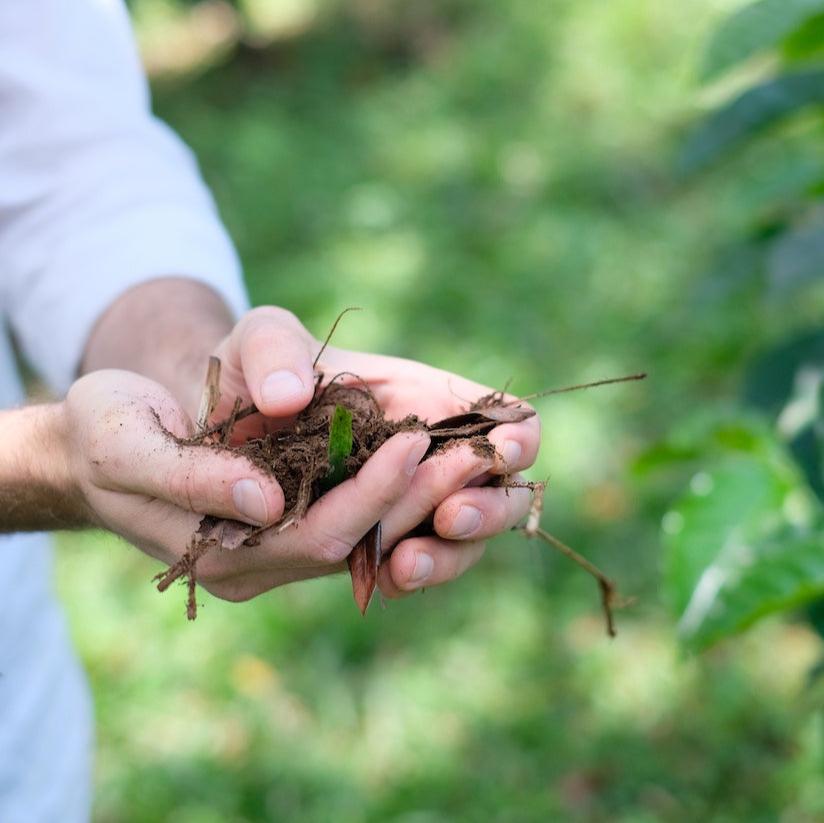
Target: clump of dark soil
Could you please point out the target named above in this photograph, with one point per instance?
(298, 456)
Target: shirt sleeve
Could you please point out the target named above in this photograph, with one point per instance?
(97, 195)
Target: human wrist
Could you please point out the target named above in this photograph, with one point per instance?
(164, 329)
(53, 464)
(38, 485)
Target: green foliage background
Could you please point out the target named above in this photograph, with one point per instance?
(496, 184)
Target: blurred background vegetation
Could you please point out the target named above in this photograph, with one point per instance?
(546, 192)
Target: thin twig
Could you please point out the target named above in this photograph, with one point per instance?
(210, 396)
(184, 565)
(245, 412)
(606, 586)
(332, 331)
(229, 423)
(566, 389)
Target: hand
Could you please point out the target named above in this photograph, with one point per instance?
(117, 441)
(267, 359)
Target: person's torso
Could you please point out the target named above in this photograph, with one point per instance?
(45, 716)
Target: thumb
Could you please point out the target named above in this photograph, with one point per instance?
(128, 427)
(276, 354)
(197, 479)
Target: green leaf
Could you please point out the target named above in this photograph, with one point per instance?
(797, 258)
(753, 29)
(773, 575)
(748, 114)
(771, 378)
(815, 615)
(736, 501)
(742, 507)
(706, 434)
(340, 446)
(806, 42)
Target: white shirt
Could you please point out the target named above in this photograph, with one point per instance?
(95, 196)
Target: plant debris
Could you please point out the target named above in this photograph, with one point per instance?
(329, 441)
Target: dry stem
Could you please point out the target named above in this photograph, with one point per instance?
(210, 396)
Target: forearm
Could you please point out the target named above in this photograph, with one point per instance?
(36, 488)
(164, 329)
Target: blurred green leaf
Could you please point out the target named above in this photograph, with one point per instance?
(771, 376)
(662, 455)
(771, 575)
(796, 258)
(706, 434)
(736, 501)
(748, 114)
(755, 28)
(790, 374)
(806, 42)
(739, 512)
(815, 615)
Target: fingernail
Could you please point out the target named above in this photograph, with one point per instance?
(466, 522)
(423, 568)
(249, 501)
(281, 385)
(510, 452)
(415, 455)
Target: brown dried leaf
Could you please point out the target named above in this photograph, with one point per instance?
(363, 564)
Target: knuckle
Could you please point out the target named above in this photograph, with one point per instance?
(262, 312)
(329, 549)
(452, 571)
(500, 512)
(379, 493)
(474, 556)
(194, 489)
(102, 447)
(259, 337)
(467, 559)
(181, 486)
(287, 317)
(267, 316)
(379, 496)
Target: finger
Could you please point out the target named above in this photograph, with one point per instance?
(435, 479)
(224, 583)
(142, 457)
(276, 354)
(159, 529)
(165, 531)
(475, 514)
(426, 561)
(335, 522)
(517, 445)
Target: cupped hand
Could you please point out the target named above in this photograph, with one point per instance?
(268, 360)
(122, 440)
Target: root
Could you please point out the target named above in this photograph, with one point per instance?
(610, 598)
(609, 594)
